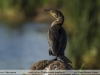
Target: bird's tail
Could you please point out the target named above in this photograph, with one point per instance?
(65, 59)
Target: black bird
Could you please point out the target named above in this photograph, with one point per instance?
(57, 37)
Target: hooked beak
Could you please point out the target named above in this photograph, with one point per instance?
(49, 11)
(46, 10)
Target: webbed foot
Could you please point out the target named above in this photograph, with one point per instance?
(54, 59)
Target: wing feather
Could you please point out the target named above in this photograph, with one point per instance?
(53, 39)
(57, 40)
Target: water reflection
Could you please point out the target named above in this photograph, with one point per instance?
(21, 48)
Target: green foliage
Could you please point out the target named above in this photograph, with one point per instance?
(85, 35)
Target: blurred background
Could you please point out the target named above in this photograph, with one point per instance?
(24, 26)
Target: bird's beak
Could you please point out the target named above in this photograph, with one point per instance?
(46, 10)
(49, 11)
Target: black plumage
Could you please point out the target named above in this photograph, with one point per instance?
(57, 37)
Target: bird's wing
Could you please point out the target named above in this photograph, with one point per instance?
(62, 41)
(53, 39)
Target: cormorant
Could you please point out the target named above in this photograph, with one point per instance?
(57, 37)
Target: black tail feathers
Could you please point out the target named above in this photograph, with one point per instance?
(65, 59)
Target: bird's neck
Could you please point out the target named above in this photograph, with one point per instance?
(58, 21)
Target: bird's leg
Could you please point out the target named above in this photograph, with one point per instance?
(55, 59)
(50, 53)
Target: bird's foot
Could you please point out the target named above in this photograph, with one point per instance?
(50, 53)
(55, 59)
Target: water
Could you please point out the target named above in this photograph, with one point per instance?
(21, 48)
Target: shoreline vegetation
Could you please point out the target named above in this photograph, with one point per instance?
(82, 23)
(12, 16)
(15, 11)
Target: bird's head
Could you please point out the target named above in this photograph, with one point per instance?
(54, 13)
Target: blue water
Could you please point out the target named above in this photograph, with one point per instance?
(22, 47)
